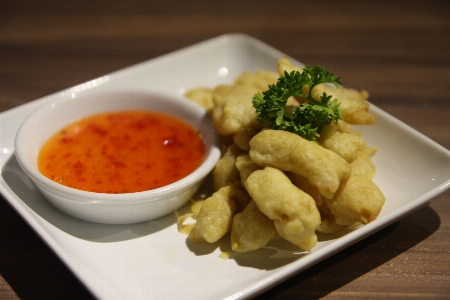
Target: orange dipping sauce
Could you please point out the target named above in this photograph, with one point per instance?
(122, 152)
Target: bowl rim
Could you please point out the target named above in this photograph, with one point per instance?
(76, 195)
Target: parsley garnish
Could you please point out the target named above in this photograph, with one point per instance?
(310, 117)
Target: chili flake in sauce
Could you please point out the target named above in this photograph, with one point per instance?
(122, 152)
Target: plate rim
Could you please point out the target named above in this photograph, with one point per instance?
(258, 287)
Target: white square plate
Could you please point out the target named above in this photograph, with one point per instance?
(152, 260)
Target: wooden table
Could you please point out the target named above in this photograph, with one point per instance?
(397, 50)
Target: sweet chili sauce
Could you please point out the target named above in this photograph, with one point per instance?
(122, 152)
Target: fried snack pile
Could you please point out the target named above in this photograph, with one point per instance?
(273, 183)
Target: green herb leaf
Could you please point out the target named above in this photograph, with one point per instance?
(310, 117)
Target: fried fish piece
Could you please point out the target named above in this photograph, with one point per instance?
(242, 137)
(202, 96)
(246, 166)
(233, 107)
(216, 214)
(303, 183)
(346, 145)
(285, 64)
(251, 229)
(333, 128)
(289, 152)
(235, 111)
(358, 200)
(225, 171)
(327, 225)
(259, 79)
(293, 211)
(362, 164)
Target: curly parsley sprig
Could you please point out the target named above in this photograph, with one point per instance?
(310, 117)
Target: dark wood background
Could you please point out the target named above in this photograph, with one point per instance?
(397, 50)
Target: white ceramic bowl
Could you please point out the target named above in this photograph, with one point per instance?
(112, 208)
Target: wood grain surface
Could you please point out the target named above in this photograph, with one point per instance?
(398, 50)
